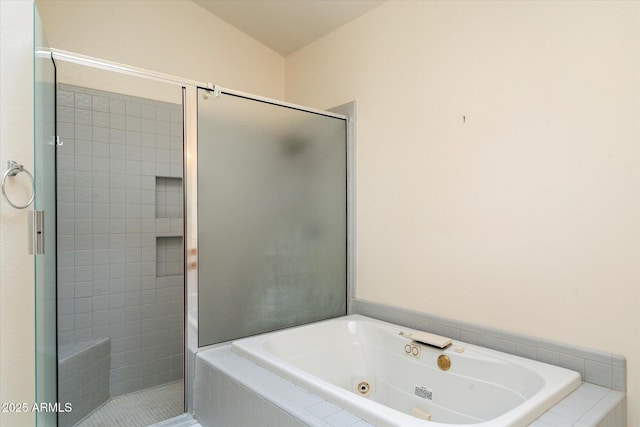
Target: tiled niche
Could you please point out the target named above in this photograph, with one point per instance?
(119, 183)
(169, 257)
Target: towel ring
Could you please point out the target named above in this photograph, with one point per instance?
(14, 169)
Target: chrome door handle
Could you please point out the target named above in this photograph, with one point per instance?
(36, 232)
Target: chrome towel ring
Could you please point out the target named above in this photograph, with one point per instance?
(13, 169)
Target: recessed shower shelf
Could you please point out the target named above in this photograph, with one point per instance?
(169, 198)
(169, 259)
(167, 227)
(169, 234)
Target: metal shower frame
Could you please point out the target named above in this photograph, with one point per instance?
(190, 148)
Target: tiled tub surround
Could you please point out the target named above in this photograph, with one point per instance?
(595, 367)
(331, 358)
(83, 378)
(231, 391)
(119, 172)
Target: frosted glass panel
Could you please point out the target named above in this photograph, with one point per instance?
(272, 207)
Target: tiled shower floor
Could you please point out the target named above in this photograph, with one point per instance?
(139, 409)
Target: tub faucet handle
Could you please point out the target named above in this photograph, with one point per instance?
(427, 338)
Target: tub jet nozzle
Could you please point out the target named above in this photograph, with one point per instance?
(363, 388)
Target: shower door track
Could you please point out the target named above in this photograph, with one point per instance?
(103, 64)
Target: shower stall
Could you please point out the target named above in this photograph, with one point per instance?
(188, 215)
(120, 228)
(120, 231)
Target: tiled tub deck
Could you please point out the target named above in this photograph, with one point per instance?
(231, 391)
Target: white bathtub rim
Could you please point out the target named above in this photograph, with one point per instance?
(381, 415)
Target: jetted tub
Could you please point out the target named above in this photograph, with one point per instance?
(362, 365)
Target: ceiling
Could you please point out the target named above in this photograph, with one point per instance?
(287, 25)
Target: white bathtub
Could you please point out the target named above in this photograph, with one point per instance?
(482, 387)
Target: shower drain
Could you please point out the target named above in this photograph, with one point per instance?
(363, 388)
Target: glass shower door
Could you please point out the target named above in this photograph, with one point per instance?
(45, 201)
(272, 209)
(120, 251)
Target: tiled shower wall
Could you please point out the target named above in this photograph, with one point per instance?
(116, 149)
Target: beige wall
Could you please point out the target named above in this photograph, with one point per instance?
(524, 218)
(174, 37)
(16, 266)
